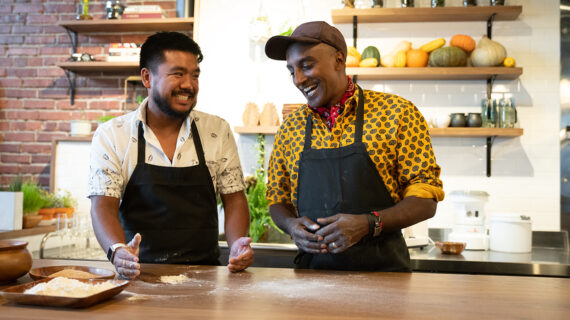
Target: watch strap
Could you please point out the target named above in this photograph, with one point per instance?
(112, 249)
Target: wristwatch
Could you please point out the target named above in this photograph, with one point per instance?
(112, 249)
(376, 221)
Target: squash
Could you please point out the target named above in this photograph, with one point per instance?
(432, 45)
(462, 41)
(250, 116)
(488, 53)
(269, 116)
(416, 58)
(447, 57)
(390, 59)
(352, 61)
(351, 51)
(369, 63)
(400, 59)
(371, 52)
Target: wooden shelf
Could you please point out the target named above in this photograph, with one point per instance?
(129, 25)
(26, 232)
(256, 130)
(475, 132)
(482, 13)
(93, 66)
(435, 73)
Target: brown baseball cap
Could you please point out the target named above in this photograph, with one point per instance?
(309, 32)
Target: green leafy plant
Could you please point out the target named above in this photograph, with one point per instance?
(103, 119)
(67, 200)
(33, 198)
(16, 184)
(260, 218)
(50, 200)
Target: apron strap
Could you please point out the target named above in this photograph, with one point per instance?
(141, 146)
(359, 116)
(197, 143)
(308, 129)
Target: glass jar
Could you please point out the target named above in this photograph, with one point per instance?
(407, 3)
(507, 113)
(488, 113)
(497, 2)
(377, 3)
(469, 3)
(437, 3)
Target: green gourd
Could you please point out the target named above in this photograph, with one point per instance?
(371, 52)
(447, 57)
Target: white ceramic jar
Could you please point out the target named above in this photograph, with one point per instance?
(509, 232)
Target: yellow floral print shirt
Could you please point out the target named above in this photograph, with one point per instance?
(394, 132)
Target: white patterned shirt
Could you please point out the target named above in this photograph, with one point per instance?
(114, 152)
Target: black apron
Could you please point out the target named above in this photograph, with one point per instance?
(174, 209)
(345, 180)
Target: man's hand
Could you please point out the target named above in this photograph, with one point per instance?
(342, 231)
(126, 259)
(241, 255)
(302, 231)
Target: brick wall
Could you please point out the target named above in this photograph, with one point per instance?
(34, 93)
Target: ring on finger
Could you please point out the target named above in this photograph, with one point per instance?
(334, 245)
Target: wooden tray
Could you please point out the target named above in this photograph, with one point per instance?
(16, 294)
(45, 272)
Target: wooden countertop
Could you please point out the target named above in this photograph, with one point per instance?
(273, 293)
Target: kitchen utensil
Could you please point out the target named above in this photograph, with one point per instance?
(474, 120)
(458, 120)
(15, 260)
(509, 232)
(16, 294)
(449, 247)
(469, 227)
(46, 272)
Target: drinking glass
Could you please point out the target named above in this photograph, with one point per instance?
(62, 227)
(489, 113)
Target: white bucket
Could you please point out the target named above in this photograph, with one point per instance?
(509, 232)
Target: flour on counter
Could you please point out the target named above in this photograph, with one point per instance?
(64, 287)
(174, 279)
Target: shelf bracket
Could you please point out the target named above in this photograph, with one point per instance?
(490, 25)
(71, 78)
(490, 141)
(73, 36)
(490, 83)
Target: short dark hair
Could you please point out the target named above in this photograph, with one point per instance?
(152, 50)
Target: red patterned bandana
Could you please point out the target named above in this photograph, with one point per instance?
(332, 112)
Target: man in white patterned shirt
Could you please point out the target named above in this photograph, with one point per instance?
(156, 172)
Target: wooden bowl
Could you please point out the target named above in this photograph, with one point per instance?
(46, 272)
(449, 247)
(15, 260)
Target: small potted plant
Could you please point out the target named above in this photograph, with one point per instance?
(33, 201)
(47, 211)
(66, 203)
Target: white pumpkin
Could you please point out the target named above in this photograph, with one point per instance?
(488, 53)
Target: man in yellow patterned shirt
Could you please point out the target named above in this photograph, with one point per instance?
(352, 167)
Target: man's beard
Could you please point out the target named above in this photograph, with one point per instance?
(165, 107)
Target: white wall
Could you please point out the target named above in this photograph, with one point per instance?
(525, 170)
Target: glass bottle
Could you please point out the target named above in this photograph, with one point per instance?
(407, 3)
(469, 3)
(437, 3)
(497, 2)
(488, 113)
(377, 3)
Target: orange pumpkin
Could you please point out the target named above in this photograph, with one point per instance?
(416, 58)
(464, 42)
